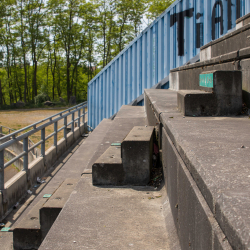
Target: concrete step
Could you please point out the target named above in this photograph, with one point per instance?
(30, 232)
(27, 233)
(222, 95)
(231, 42)
(196, 103)
(108, 168)
(112, 218)
(128, 164)
(51, 209)
(137, 152)
(195, 177)
(243, 21)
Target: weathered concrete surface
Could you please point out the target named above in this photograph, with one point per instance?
(243, 21)
(196, 225)
(27, 233)
(108, 168)
(196, 103)
(50, 210)
(53, 179)
(216, 152)
(224, 98)
(233, 41)
(137, 152)
(113, 217)
(110, 218)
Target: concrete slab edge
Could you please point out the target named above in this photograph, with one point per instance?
(187, 158)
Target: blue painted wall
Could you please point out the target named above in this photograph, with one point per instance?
(169, 42)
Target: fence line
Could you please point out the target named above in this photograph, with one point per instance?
(13, 137)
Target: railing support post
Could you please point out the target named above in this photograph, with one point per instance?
(73, 123)
(83, 117)
(55, 135)
(2, 170)
(79, 117)
(1, 129)
(25, 157)
(65, 129)
(43, 143)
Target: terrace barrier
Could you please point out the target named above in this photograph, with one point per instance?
(13, 190)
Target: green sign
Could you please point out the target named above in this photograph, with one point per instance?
(207, 80)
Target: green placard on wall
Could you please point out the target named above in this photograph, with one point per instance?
(207, 80)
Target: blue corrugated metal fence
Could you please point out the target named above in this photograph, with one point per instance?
(169, 42)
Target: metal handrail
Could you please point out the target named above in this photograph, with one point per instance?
(14, 137)
(11, 129)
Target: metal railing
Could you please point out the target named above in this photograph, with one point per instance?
(36, 127)
(9, 130)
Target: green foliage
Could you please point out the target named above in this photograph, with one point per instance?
(41, 98)
(156, 7)
(53, 48)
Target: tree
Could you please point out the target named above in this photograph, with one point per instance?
(156, 7)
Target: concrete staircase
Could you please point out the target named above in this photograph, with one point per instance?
(117, 212)
(228, 53)
(128, 163)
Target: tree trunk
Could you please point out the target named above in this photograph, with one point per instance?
(1, 93)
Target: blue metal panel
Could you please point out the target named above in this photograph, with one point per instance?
(169, 42)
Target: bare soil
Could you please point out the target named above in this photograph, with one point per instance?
(20, 119)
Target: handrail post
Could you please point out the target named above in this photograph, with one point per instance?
(79, 117)
(43, 143)
(65, 129)
(1, 129)
(2, 170)
(83, 117)
(55, 135)
(73, 122)
(25, 157)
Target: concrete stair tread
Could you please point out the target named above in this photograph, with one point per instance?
(139, 133)
(61, 195)
(111, 156)
(112, 218)
(31, 220)
(194, 92)
(51, 209)
(114, 168)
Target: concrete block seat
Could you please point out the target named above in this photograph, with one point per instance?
(205, 163)
(128, 164)
(222, 97)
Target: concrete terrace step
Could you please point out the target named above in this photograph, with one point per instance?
(113, 218)
(67, 167)
(128, 164)
(108, 168)
(27, 233)
(222, 95)
(109, 217)
(51, 209)
(32, 229)
(231, 42)
(205, 163)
